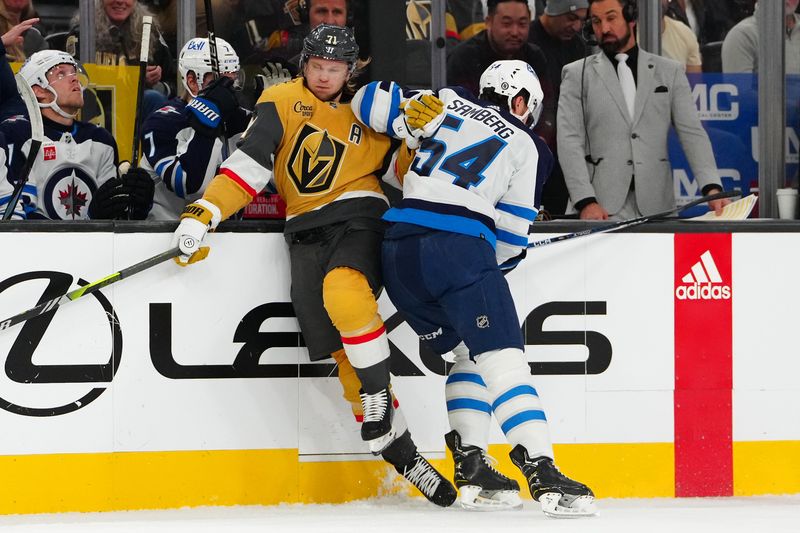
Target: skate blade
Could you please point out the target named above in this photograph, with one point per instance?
(556, 505)
(470, 498)
(377, 446)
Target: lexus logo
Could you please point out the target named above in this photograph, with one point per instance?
(19, 364)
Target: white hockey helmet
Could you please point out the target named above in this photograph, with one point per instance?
(195, 57)
(35, 70)
(508, 78)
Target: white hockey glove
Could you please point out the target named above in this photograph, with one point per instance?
(422, 115)
(196, 220)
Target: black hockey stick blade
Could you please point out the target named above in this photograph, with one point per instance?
(37, 137)
(73, 295)
(635, 221)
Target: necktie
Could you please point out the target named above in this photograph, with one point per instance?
(626, 81)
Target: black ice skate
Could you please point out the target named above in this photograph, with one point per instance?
(480, 486)
(403, 455)
(376, 429)
(560, 496)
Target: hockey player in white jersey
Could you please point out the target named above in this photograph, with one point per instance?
(181, 141)
(469, 197)
(74, 176)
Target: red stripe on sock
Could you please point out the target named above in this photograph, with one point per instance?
(361, 339)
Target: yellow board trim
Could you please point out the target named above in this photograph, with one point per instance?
(162, 480)
(766, 467)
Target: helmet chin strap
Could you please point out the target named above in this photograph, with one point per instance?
(54, 105)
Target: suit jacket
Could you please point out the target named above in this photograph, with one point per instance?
(628, 147)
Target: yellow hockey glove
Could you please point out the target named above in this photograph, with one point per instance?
(196, 220)
(422, 110)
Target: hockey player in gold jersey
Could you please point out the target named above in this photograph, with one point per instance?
(325, 165)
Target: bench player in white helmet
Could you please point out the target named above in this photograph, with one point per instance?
(74, 176)
(182, 146)
(469, 197)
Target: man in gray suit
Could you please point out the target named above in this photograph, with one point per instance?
(614, 114)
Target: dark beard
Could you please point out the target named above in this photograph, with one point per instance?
(612, 47)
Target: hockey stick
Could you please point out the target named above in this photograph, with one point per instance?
(634, 221)
(212, 52)
(37, 136)
(144, 53)
(50, 305)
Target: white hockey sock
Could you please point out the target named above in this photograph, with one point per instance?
(515, 402)
(369, 356)
(468, 401)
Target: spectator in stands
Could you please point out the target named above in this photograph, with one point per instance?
(505, 37)
(679, 42)
(709, 19)
(557, 32)
(118, 42)
(740, 48)
(18, 22)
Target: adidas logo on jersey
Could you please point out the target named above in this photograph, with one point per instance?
(703, 282)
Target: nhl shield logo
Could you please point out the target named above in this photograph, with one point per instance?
(315, 160)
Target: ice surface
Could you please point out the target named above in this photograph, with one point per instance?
(767, 514)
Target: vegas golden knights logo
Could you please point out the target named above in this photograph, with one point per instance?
(315, 160)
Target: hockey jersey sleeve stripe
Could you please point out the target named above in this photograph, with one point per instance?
(243, 184)
(180, 181)
(240, 164)
(469, 403)
(366, 104)
(511, 238)
(452, 223)
(518, 211)
(227, 194)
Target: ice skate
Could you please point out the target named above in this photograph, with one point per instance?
(403, 455)
(480, 486)
(560, 496)
(377, 429)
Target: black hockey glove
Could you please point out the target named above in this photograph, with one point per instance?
(140, 187)
(110, 201)
(213, 106)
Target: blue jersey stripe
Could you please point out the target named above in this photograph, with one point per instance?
(468, 403)
(513, 393)
(451, 223)
(180, 186)
(465, 376)
(366, 103)
(521, 418)
(394, 112)
(511, 238)
(518, 211)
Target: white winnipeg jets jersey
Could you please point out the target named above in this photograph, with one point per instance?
(480, 174)
(72, 163)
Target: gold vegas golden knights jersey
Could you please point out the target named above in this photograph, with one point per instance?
(325, 162)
